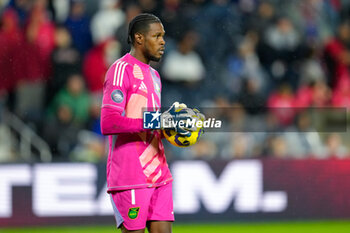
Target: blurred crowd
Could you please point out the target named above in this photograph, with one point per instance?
(253, 56)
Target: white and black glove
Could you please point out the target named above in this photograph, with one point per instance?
(176, 113)
(180, 112)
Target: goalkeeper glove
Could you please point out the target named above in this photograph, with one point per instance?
(199, 115)
(196, 116)
(176, 113)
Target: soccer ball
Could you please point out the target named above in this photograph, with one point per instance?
(179, 140)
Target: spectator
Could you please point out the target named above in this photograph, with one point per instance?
(60, 10)
(303, 140)
(66, 60)
(183, 66)
(107, 20)
(60, 132)
(121, 34)
(22, 8)
(313, 19)
(262, 18)
(277, 147)
(246, 65)
(240, 146)
(239, 121)
(282, 36)
(96, 63)
(40, 31)
(279, 49)
(219, 26)
(280, 103)
(316, 94)
(174, 20)
(204, 149)
(341, 95)
(11, 43)
(334, 147)
(337, 55)
(74, 97)
(67, 115)
(311, 68)
(149, 6)
(78, 23)
(35, 64)
(251, 98)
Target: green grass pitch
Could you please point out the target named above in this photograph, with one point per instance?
(271, 227)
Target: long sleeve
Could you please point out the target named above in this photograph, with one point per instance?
(112, 122)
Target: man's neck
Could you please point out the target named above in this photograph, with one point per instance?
(139, 55)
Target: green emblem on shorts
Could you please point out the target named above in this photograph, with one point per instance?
(133, 212)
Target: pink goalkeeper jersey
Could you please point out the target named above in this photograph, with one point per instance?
(135, 160)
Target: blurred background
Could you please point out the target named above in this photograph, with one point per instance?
(254, 57)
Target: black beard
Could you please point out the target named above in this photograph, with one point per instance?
(153, 58)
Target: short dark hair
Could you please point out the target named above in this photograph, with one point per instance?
(140, 24)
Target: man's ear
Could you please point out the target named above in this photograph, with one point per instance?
(139, 38)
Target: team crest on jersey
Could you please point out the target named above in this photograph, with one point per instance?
(133, 212)
(117, 96)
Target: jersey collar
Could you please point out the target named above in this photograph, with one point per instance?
(136, 61)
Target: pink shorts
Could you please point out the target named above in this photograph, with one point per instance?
(135, 207)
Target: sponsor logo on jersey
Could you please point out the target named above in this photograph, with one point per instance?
(143, 87)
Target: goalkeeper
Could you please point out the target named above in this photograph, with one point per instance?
(138, 178)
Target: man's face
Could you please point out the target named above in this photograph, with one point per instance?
(154, 42)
